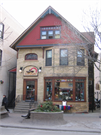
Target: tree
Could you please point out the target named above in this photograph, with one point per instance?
(92, 22)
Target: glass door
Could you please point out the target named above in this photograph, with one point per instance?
(30, 90)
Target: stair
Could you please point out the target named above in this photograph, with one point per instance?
(22, 107)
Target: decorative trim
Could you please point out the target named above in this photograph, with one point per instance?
(47, 45)
(49, 11)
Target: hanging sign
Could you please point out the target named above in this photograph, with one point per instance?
(30, 71)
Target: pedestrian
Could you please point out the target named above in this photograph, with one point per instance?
(5, 102)
(27, 116)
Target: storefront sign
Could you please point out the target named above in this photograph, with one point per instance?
(30, 71)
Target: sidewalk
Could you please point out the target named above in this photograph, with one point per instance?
(83, 122)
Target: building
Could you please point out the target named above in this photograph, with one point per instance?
(9, 31)
(97, 78)
(52, 62)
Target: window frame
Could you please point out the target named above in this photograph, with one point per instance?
(1, 30)
(47, 59)
(80, 58)
(0, 57)
(79, 80)
(74, 87)
(63, 57)
(48, 29)
(31, 54)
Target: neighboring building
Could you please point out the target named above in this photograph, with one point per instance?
(9, 31)
(97, 78)
(52, 62)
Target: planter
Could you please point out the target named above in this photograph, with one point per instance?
(47, 118)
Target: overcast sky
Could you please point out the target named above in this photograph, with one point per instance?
(26, 11)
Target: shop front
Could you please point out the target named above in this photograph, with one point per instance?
(30, 85)
(69, 89)
(30, 89)
(65, 88)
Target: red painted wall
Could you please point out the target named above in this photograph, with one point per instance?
(33, 38)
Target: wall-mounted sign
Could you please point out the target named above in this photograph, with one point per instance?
(30, 71)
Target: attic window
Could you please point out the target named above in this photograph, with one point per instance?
(50, 32)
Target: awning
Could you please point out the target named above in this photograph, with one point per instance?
(12, 70)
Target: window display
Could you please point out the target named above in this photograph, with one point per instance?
(79, 93)
(63, 89)
(48, 95)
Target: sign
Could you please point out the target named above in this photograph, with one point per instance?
(30, 71)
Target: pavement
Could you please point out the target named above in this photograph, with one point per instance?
(75, 122)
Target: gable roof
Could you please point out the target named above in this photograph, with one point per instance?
(49, 10)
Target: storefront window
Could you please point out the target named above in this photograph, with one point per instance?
(48, 95)
(79, 92)
(63, 89)
(68, 89)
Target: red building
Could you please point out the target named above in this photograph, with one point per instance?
(52, 62)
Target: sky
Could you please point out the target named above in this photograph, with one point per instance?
(26, 11)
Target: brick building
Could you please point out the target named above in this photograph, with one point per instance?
(52, 62)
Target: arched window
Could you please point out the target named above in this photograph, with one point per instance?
(31, 56)
(0, 57)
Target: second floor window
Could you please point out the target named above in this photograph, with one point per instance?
(49, 58)
(80, 57)
(50, 32)
(31, 56)
(0, 57)
(63, 57)
(1, 30)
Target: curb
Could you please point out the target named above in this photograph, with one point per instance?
(49, 129)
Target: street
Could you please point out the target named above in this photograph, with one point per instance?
(19, 131)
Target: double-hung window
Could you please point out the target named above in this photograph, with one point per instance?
(0, 57)
(50, 32)
(43, 35)
(57, 33)
(63, 57)
(48, 57)
(80, 57)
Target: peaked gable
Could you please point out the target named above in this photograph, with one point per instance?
(31, 36)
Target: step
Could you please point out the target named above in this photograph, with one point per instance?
(22, 107)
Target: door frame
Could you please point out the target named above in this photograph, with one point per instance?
(24, 88)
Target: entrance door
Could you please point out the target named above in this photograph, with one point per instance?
(30, 90)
